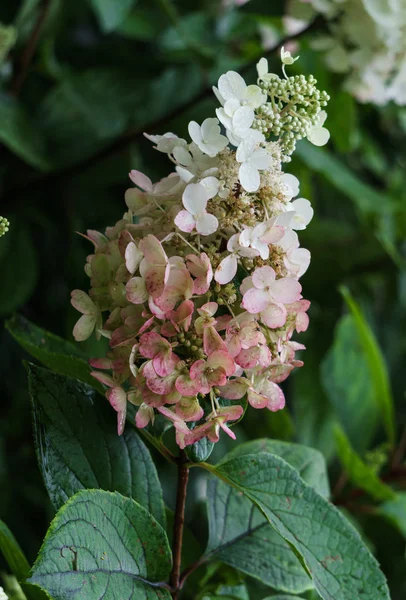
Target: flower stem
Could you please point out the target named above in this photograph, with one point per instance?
(183, 476)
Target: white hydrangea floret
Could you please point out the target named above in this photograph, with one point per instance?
(319, 135)
(286, 57)
(253, 158)
(207, 136)
(298, 214)
(194, 199)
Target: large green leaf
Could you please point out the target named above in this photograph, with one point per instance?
(377, 366)
(332, 552)
(54, 352)
(358, 471)
(20, 133)
(395, 511)
(241, 536)
(347, 383)
(18, 267)
(111, 13)
(102, 545)
(78, 446)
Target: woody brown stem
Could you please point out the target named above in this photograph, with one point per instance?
(183, 476)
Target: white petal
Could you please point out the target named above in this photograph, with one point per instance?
(210, 129)
(211, 185)
(242, 119)
(292, 183)
(249, 177)
(262, 67)
(185, 221)
(232, 85)
(206, 224)
(232, 244)
(195, 198)
(195, 132)
(255, 98)
(245, 238)
(182, 155)
(231, 106)
(304, 213)
(261, 159)
(226, 269)
(218, 95)
(319, 136)
(224, 118)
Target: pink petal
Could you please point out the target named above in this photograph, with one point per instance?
(235, 388)
(83, 303)
(248, 359)
(255, 301)
(286, 290)
(228, 431)
(117, 398)
(186, 386)
(221, 358)
(263, 277)
(212, 341)
(152, 343)
(274, 315)
(136, 290)
(141, 180)
(276, 398)
(144, 415)
(155, 280)
(153, 250)
(256, 400)
(165, 362)
(101, 363)
(226, 270)
(185, 221)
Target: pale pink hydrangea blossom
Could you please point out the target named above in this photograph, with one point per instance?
(196, 287)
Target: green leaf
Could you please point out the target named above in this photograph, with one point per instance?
(90, 106)
(347, 383)
(102, 545)
(21, 135)
(395, 511)
(78, 446)
(376, 364)
(8, 36)
(329, 547)
(17, 562)
(358, 471)
(200, 451)
(309, 463)
(278, 597)
(18, 268)
(365, 197)
(111, 13)
(57, 354)
(241, 536)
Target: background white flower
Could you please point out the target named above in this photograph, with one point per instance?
(207, 136)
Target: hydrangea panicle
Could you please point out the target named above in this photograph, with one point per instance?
(197, 285)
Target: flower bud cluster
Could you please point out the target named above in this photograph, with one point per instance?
(4, 226)
(197, 286)
(294, 108)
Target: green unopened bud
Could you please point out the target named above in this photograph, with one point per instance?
(4, 226)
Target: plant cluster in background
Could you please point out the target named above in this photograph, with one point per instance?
(80, 82)
(365, 41)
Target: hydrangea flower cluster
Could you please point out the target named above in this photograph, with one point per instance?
(197, 286)
(367, 42)
(4, 226)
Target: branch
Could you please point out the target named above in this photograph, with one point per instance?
(133, 135)
(29, 50)
(183, 476)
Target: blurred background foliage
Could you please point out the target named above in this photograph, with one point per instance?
(80, 81)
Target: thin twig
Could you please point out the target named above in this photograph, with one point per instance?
(135, 134)
(183, 476)
(29, 51)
